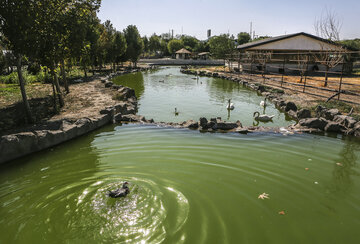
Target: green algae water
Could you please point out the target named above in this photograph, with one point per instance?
(161, 91)
(186, 187)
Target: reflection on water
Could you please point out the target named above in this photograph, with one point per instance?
(132, 80)
(161, 91)
(185, 187)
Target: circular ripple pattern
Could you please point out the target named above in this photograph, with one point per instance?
(186, 187)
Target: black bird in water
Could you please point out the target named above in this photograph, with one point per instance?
(121, 192)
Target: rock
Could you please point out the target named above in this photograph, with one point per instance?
(261, 88)
(125, 93)
(118, 117)
(108, 84)
(331, 113)
(203, 122)
(334, 127)
(303, 114)
(191, 124)
(290, 106)
(131, 118)
(345, 120)
(109, 110)
(116, 87)
(242, 130)
(225, 126)
(103, 80)
(316, 123)
(292, 114)
(319, 110)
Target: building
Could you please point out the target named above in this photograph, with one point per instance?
(286, 51)
(183, 54)
(204, 55)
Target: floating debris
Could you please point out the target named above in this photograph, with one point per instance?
(316, 183)
(263, 196)
(282, 212)
(339, 164)
(306, 169)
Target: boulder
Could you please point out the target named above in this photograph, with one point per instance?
(334, 127)
(203, 122)
(345, 120)
(331, 113)
(132, 118)
(118, 118)
(108, 84)
(303, 114)
(319, 110)
(290, 106)
(126, 93)
(225, 126)
(191, 124)
(292, 114)
(315, 123)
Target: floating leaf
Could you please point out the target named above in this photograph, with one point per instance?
(263, 196)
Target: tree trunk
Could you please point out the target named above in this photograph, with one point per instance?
(63, 74)
(23, 91)
(54, 97)
(57, 86)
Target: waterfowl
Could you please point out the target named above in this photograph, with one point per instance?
(263, 103)
(162, 81)
(121, 192)
(230, 105)
(176, 112)
(263, 117)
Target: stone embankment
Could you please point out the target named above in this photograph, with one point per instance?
(326, 120)
(53, 132)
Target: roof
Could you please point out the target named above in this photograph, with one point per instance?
(203, 53)
(278, 38)
(183, 50)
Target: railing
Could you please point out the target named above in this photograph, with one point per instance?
(328, 74)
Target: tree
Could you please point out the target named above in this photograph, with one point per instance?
(221, 46)
(328, 27)
(189, 42)
(120, 46)
(146, 43)
(154, 43)
(174, 45)
(202, 46)
(134, 43)
(243, 37)
(16, 24)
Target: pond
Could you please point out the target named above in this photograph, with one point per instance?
(161, 91)
(186, 186)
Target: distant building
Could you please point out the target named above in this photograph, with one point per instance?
(204, 55)
(183, 54)
(287, 47)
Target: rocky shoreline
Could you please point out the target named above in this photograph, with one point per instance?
(53, 132)
(325, 120)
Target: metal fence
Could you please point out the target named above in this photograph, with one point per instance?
(328, 74)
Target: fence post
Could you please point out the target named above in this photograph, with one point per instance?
(282, 76)
(305, 74)
(341, 77)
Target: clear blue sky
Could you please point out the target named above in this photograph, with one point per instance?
(194, 17)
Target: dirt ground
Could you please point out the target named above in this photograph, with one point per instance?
(86, 100)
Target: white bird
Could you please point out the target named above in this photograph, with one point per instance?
(263, 103)
(263, 117)
(230, 105)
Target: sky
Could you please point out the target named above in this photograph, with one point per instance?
(195, 17)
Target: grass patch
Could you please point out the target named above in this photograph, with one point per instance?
(343, 107)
